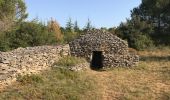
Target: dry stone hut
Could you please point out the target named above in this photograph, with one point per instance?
(103, 50)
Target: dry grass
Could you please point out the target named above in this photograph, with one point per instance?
(57, 84)
(150, 80)
(69, 61)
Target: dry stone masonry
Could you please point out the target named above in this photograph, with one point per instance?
(114, 50)
(28, 60)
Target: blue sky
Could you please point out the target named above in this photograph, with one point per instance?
(102, 13)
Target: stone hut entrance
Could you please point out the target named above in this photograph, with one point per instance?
(97, 60)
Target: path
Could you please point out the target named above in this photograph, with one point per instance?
(105, 81)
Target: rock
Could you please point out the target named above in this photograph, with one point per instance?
(5, 62)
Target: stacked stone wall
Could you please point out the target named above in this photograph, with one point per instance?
(115, 50)
(28, 60)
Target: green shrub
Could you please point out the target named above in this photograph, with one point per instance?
(142, 42)
(137, 32)
(69, 36)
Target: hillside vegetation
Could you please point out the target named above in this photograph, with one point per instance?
(148, 27)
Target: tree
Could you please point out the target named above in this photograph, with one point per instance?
(112, 30)
(136, 32)
(157, 14)
(69, 32)
(88, 25)
(31, 33)
(11, 12)
(54, 27)
(76, 27)
(69, 25)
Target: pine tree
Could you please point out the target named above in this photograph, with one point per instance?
(155, 13)
(69, 25)
(88, 25)
(76, 27)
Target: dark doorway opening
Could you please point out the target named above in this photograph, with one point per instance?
(97, 60)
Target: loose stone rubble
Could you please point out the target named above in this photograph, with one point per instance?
(28, 60)
(115, 50)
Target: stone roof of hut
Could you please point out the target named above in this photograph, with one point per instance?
(101, 41)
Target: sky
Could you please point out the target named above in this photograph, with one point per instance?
(102, 13)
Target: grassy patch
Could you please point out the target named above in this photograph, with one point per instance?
(57, 84)
(150, 80)
(30, 79)
(69, 61)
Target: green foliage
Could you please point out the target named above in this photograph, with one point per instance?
(4, 42)
(76, 27)
(136, 32)
(161, 39)
(69, 25)
(69, 36)
(157, 13)
(15, 9)
(69, 61)
(27, 34)
(71, 31)
(12, 12)
(142, 42)
(88, 25)
(149, 24)
(14, 32)
(31, 34)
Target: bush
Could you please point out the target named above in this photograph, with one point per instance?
(138, 41)
(142, 42)
(69, 36)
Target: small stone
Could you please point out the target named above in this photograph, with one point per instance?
(5, 62)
